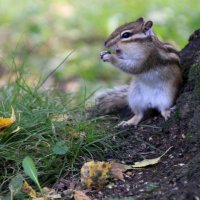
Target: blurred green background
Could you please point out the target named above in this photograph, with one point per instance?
(37, 35)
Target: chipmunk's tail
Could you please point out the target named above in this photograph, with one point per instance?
(111, 100)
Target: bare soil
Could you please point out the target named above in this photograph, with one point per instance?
(177, 176)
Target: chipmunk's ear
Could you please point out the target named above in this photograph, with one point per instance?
(148, 25)
(141, 19)
(148, 28)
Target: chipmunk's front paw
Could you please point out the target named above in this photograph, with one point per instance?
(166, 114)
(105, 56)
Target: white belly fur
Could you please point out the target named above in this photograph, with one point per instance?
(143, 96)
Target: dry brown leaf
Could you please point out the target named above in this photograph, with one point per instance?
(95, 173)
(26, 188)
(148, 162)
(118, 169)
(79, 195)
(98, 173)
(117, 173)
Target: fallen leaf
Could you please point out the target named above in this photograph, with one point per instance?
(123, 167)
(98, 173)
(95, 173)
(26, 188)
(148, 162)
(118, 169)
(117, 173)
(5, 122)
(79, 195)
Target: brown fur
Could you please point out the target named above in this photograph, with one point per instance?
(149, 60)
(115, 98)
(137, 26)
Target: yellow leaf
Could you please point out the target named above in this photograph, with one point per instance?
(79, 195)
(5, 122)
(148, 162)
(28, 190)
(95, 173)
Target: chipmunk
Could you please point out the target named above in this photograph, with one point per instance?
(155, 67)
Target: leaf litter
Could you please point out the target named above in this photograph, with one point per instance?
(98, 173)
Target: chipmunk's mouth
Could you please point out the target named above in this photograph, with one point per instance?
(119, 53)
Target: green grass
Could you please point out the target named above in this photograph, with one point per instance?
(36, 110)
(45, 31)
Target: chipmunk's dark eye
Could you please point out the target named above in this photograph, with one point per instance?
(126, 34)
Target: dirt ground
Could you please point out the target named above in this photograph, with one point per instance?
(177, 176)
(166, 180)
